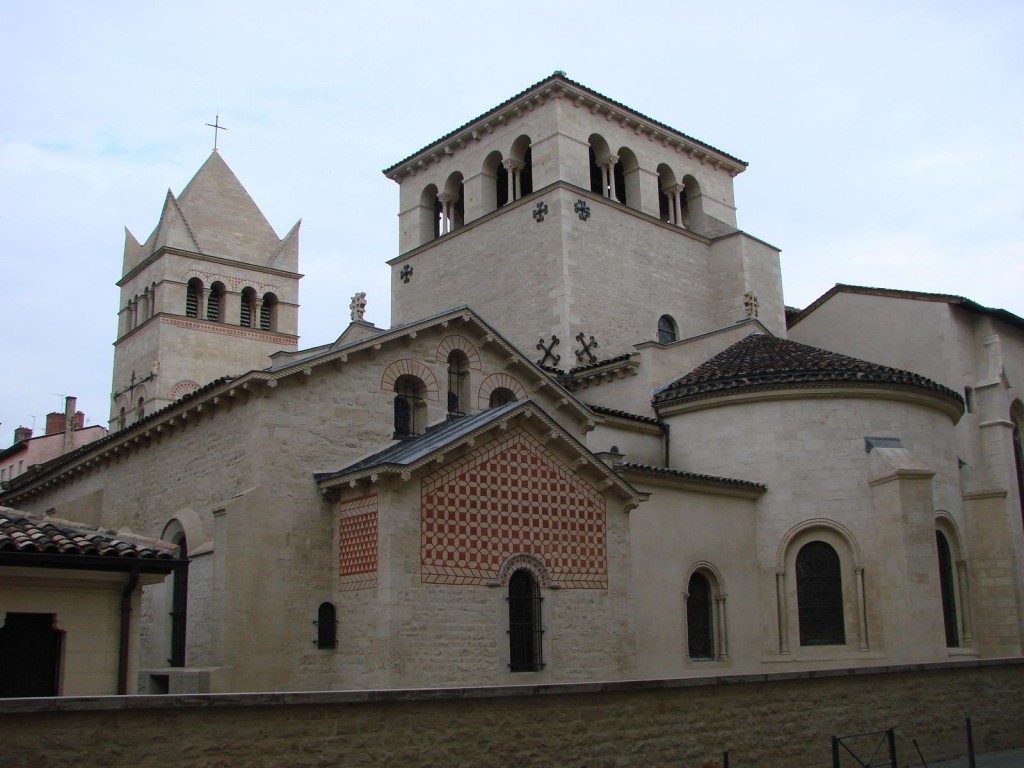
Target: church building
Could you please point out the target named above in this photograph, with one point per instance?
(620, 456)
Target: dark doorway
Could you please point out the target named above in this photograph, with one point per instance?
(29, 655)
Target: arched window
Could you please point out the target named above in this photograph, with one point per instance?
(601, 161)
(193, 297)
(268, 312)
(519, 167)
(245, 315)
(948, 589)
(179, 606)
(525, 631)
(141, 409)
(458, 383)
(627, 178)
(667, 330)
(819, 595)
(30, 645)
(700, 642)
(122, 418)
(410, 407)
(215, 303)
(501, 396)
(326, 626)
(451, 206)
(494, 168)
(690, 205)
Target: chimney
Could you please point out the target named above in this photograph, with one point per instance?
(22, 433)
(54, 423)
(70, 419)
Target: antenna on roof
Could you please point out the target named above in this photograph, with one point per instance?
(216, 127)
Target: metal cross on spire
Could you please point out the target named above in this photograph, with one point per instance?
(216, 127)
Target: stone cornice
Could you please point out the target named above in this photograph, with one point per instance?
(553, 88)
(169, 251)
(817, 390)
(213, 326)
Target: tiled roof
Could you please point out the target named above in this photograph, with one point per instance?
(695, 476)
(29, 534)
(759, 362)
(622, 414)
(560, 76)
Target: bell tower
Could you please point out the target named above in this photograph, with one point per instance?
(562, 214)
(212, 292)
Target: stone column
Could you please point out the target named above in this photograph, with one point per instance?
(446, 199)
(965, 603)
(608, 174)
(780, 608)
(514, 168)
(862, 610)
(723, 634)
(686, 626)
(675, 205)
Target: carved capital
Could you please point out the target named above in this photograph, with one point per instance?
(445, 197)
(512, 165)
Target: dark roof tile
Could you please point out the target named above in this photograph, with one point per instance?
(759, 362)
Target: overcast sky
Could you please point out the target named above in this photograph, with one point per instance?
(884, 139)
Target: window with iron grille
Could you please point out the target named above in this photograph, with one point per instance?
(949, 618)
(819, 595)
(326, 626)
(525, 631)
(699, 636)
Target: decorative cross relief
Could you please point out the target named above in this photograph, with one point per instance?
(585, 348)
(548, 351)
(582, 209)
(406, 273)
(751, 304)
(357, 308)
(539, 211)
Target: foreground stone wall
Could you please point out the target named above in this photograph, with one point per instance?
(764, 721)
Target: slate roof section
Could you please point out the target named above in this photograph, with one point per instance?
(556, 77)
(408, 452)
(759, 362)
(31, 536)
(650, 469)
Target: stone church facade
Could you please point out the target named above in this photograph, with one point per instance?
(587, 448)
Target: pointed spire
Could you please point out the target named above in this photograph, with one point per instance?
(224, 217)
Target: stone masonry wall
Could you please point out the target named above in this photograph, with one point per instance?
(782, 720)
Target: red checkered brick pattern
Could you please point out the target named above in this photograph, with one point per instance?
(357, 548)
(509, 497)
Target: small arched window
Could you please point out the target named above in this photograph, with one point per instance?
(268, 312)
(215, 303)
(946, 586)
(326, 626)
(141, 409)
(410, 406)
(667, 330)
(525, 631)
(700, 641)
(458, 383)
(245, 315)
(819, 595)
(193, 297)
(501, 396)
